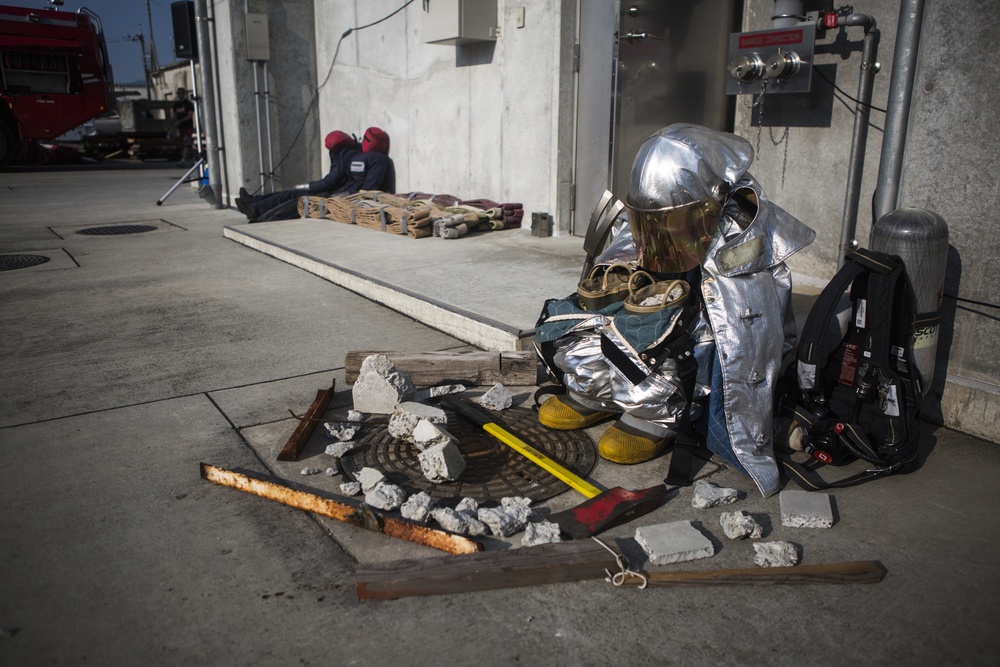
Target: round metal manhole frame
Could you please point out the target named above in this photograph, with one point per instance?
(493, 470)
(115, 230)
(15, 262)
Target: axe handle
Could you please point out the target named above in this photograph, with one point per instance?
(550, 465)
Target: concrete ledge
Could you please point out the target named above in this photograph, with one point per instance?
(482, 332)
(970, 407)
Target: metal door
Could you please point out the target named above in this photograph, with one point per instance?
(671, 68)
(644, 65)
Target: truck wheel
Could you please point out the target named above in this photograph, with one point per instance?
(8, 144)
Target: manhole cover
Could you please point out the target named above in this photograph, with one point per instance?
(12, 262)
(117, 229)
(493, 470)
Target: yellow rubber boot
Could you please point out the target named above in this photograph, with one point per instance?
(624, 444)
(565, 414)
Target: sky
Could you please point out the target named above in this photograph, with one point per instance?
(122, 19)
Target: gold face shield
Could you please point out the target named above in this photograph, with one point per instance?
(674, 239)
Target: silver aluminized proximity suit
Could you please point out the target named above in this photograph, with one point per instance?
(744, 326)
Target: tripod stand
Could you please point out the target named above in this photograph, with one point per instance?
(185, 179)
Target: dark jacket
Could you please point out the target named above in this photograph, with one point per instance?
(338, 177)
(372, 171)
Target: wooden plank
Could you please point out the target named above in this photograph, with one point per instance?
(346, 510)
(853, 572)
(474, 368)
(527, 566)
(300, 436)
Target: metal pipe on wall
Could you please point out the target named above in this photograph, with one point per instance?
(208, 94)
(223, 159)
(904, 64)
(862, 111)
(267, 115)
(256, 104)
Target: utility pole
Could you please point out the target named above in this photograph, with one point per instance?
(154, 63)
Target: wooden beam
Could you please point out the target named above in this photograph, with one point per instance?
(300, 436)
(346, 510)
(854, 572)
(475, 368)
(527, 566)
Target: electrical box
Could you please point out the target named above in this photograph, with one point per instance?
(460, 22)
(258, 46)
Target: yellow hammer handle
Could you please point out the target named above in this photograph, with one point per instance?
(540, 459)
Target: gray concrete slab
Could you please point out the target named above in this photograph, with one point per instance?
(168, 349)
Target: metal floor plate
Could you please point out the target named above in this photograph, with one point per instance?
(493, 470)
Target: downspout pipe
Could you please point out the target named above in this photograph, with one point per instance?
(862, 111)
(208, 95)
(904, 65)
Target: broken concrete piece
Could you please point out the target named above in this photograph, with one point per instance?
(496, 398)
(311, 471)
(385, 496)
(505, 521)
(332, 472)
(740, 525)
(350, 488)
(468, 506)
(418, 507)
(806, 509)
(476, 528)
(380, 387)
(407, 415)
(427, 434)
(673, 542)
(451, 520)
(370, 478)
(427, 393)
(441, 463)
(341, 432)
(339, 449)
(515, 501)
(775, 554)
(355, 416)
(708, 495)
(543, 532)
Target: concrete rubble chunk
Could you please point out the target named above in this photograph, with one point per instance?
(350, 488)
(339, 449)
(496, 398)
(427, 393)
(370, 478)
(468, 506)
(340, 431)
(740, 525)
(407, 415)
(355, 416)
(806, 509)
(386, 496)
(311, 471)
(418, 507)
(427, 434)
(673, 542)
(504, 521)
(451, 520)
(476, 528)
(380, 387)
(332, 472)
(775, 554)
(708, 495)
(515, 501)
(543, 532)
(441, 463)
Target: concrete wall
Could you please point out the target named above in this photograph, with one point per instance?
(950, 156)
(296, 152)
(479, 120)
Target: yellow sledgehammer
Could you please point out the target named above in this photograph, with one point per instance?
(603, 510)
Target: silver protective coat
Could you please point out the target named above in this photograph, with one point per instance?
(746, 293)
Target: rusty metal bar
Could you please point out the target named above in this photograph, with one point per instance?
(344, 509)
(300, 436)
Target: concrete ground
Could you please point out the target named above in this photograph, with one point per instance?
(129, 359)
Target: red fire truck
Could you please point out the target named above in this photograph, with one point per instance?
(54, 74)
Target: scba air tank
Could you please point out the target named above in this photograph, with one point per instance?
(920, 238)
